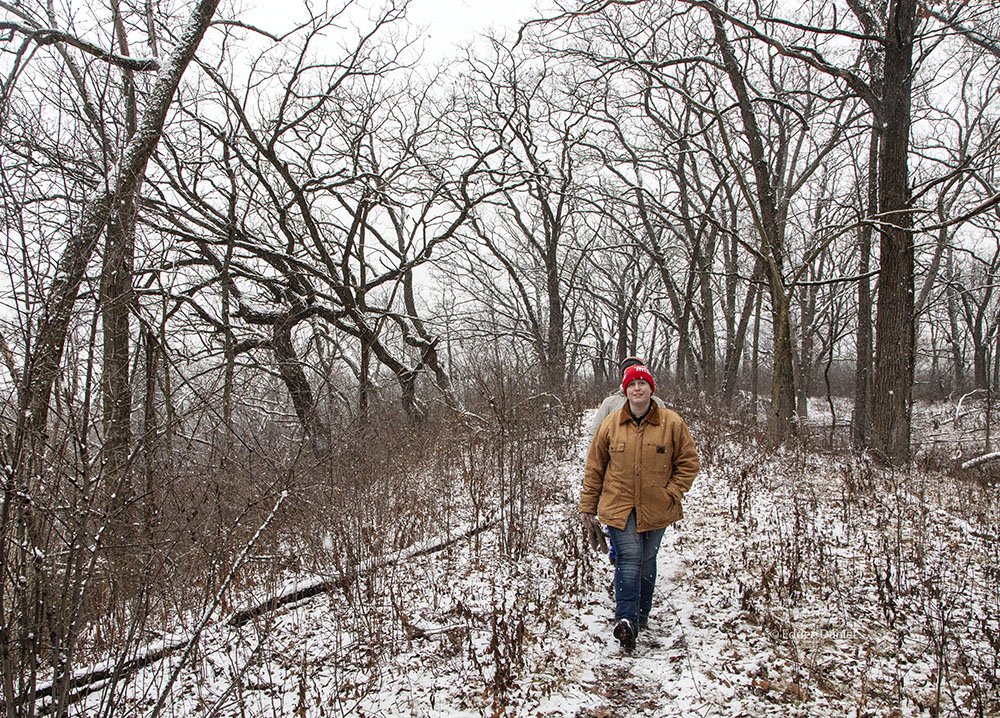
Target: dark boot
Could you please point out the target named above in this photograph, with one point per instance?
(625, 632)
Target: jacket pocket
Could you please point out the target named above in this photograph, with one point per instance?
(660, 507)
(657, 459)
(616, 462)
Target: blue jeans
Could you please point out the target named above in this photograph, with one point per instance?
(635, 569)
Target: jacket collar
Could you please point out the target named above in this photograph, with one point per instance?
(652, 416)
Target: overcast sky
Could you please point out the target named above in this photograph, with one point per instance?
(455, 22)
(446, 24)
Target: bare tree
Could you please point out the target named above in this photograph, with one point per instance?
(535, 231)
(782, 153)
(114, 187)
(888, 37)
(894, 327)
(343, 193)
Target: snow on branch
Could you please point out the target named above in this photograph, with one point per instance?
(969, 32)
(985, 458)
(51, 36)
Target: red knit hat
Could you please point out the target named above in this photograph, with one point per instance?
(638, 372)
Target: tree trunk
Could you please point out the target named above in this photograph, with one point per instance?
(691, 373)
(149, 432)
(798, 358)
(781, 420)
(229, 293)
(364, 380)
(294, 377)
(807, 312)
(699, 274)
(735, 353)
(780, 423)
(894, 337)
(863, 367)
(979, 362)
(555, 365)
(755, 369)
(621, 347)
(706, 295)
(116, 300)
(957, 353)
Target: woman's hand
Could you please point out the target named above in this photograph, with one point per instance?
(593, 532)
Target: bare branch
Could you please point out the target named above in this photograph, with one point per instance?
(971, 34)
(51, 36)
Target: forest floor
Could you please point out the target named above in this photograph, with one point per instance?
(799, 583)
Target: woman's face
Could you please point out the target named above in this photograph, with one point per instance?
(638, 392)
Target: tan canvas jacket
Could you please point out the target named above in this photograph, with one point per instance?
(648, 468)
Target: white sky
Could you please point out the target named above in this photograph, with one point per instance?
(446, 24)
(455, 22)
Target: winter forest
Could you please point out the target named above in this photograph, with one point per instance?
(303, 321)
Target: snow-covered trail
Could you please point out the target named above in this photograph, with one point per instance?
(679, 666)
(698, 658)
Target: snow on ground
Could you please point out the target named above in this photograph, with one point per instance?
(796, 585)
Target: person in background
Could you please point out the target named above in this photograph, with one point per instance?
(614, 401)
(642, 460)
